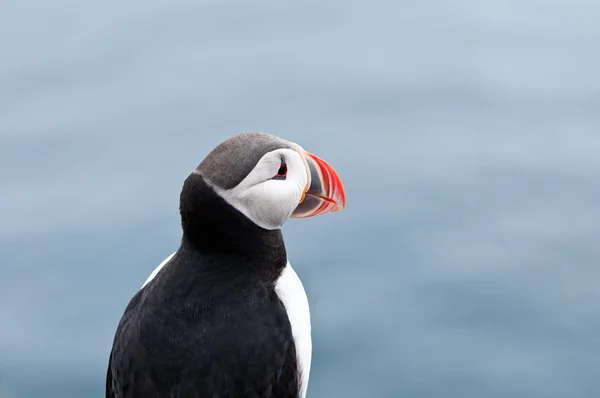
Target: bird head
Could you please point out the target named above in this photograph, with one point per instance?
(269, 179)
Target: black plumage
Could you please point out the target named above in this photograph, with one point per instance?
(210, 324)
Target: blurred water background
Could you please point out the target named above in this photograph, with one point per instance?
(466, 132)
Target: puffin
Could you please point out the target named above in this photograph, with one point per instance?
(226, 315)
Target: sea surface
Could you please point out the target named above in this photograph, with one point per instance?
(467, 134)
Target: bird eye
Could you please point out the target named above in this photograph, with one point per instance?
(282, 172)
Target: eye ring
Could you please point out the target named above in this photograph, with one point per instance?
(282, 172)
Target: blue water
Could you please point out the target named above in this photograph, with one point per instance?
(467, 134)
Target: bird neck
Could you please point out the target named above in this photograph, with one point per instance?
(212, 226)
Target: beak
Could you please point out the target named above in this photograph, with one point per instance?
(325, 192)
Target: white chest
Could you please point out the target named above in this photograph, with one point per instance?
(291, 292)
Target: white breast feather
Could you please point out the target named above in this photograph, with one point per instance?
(291, 292)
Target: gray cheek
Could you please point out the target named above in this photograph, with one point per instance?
(262, 213)
(276, 214)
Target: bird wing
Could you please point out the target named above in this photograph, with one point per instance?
(109, 388)
(241, 351)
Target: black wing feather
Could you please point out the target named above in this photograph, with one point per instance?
(242, 347)
(109, 389)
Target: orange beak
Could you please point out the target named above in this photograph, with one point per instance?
(325, 193)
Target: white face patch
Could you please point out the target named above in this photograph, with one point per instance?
(266, 201)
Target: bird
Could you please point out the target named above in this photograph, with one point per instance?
(226, 315)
